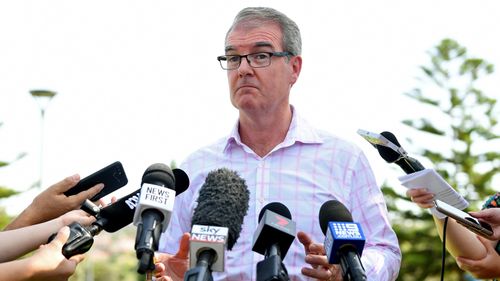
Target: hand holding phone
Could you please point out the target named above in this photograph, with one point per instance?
(461, 217)
(112, 176)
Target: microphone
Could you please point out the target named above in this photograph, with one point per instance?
(110, 218)
(273, 237)
(159, 187)
(344, 239)
(216, 224)
(408, 164)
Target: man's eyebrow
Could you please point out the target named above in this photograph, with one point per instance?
(263, 44)
(257, 44)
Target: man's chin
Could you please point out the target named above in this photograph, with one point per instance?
(245, 105)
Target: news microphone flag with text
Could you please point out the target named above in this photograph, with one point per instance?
(273, 238)
(216, 223)
(344, 239)
(159, 187)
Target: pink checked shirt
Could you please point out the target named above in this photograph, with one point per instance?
(307, 169)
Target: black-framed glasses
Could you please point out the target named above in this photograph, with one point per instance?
(255, 60)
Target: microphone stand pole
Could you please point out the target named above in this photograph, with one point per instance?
(272, 268)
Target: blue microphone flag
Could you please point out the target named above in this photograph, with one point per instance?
(340, 235)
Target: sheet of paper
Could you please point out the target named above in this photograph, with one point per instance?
(431, 180)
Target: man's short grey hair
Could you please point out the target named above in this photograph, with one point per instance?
(292, 41)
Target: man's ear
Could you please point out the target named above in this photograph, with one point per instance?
(296, 64)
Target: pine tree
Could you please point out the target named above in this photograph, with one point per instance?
(465, 128)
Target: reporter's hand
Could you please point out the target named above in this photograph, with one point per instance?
(492, 217)
(421, 196)
(48, 262)
(52, 203)
(486, 268)
(78, 216)
(101, 203)
(316, 257)
(173, 267)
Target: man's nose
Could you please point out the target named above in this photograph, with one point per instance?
(245, 67)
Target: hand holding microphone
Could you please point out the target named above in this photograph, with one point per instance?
(64, 266)
(111, 218)
(21, 241)
(46, 264)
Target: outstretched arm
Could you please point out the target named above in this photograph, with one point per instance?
(485, 268)
(459, 240)
(18, 242)
(52, 203)
(46, 264)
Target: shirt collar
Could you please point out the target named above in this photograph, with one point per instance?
(299, 131)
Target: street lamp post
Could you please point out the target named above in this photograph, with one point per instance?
(43, 98)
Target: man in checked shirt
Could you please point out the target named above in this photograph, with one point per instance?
(282, 159)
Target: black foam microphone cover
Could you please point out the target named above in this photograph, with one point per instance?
(223, 201)
(276, 230)
(278, 208)
(159, 174)
(333, 210)
(181, 181)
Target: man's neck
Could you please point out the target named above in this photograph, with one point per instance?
(264, 132)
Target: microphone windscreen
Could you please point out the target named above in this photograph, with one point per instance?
(181, 181)
(333, 210)
(276, 207)
(275, 228)
(387, 153)
(223, 201)
(159, 174)
(391, 137)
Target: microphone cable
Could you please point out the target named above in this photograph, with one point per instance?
(443, 255)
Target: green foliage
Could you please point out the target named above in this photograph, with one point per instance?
(4, 218)
(466, 118)
(6, 192)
